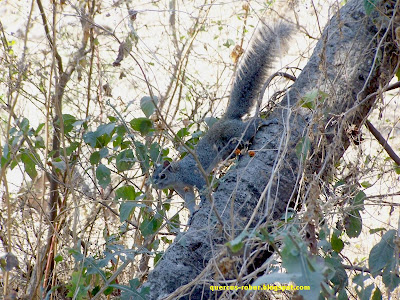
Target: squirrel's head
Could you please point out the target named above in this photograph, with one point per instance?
(164, 175)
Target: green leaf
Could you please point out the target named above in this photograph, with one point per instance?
(353, 223)
(154, 245)
(396, 167)
(365, 293)
(6, 151)
(337, 243)
(174, 224)
(390, 276)
(339, 183)
(307, 269)
(148, 105)
(150, 226)
(310, 99)
(24, 125)
(78, 284)
(126, 192)
(29, 164)
(382, 254)
(39, 128)
(95, 290)
(342, 295)
(119, 139)
(229, 43)
(58, 258)
(101, 137)
(90, 138)
(94, 158)
(6, 157)
(14, 132)
(237, 243)
(106, 129)
(375, 230)
(360, 278)
(134, 283)
(103, 175)
(339, 278)
(142, 156)
(39, 142)
(155, 150)
(370, 6)
(302, 148)
(120, 130)
(143, 125)
(359, 200)
(125, 160)
(377, 295)
(166, 240)
(182, 132)
(210, 121)
(59, 164)
(68, 122)
(103, 152)
(366, 184)
(158, 257)
(126, 209)
(130, 292)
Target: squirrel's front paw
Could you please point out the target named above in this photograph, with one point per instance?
(268, 122)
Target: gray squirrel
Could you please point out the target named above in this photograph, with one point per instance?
(230, 131)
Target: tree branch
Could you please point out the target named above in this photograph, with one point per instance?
(383, 142)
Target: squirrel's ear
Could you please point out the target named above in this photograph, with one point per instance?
(166, 163)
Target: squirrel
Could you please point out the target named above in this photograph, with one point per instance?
(223, 138)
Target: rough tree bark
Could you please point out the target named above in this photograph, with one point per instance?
(343, 66)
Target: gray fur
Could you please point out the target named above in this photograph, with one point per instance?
(227, 134)
(254, 68)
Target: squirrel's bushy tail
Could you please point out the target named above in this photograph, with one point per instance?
(270, 43)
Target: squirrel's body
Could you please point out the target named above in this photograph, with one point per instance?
(225, 135)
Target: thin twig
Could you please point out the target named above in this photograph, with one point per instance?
(383, 142)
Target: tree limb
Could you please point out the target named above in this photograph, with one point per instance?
(389, 150)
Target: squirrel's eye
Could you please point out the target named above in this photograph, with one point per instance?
(162, 176)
